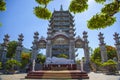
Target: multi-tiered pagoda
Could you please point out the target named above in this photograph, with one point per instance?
(61, 36)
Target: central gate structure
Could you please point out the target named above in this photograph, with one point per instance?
(61, 37)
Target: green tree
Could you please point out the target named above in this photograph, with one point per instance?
(25, 58)
(11, 49)
(40, 58)
(0, 65)
(41, 11)
(2, 7)
(78, 6)
(11, 64)
(96, 56)
(101, 20)
(62, 56)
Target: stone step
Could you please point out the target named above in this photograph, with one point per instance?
(57, 75)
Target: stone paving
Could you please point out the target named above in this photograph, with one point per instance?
(92, 75)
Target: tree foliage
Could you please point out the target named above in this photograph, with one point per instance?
(0, 65)
(25, 55)
(41, 11)
(111, 52)
(110, 65)
(101, 20)
(25, 58)
(2, 5)
(78, 61)
(110, 9)
(96, 56)
(106, 17)
(43, 2)
(40, 58)
(62, 56)
(11, 64)
(11, 49)
(0, 24)
(77, 6)
(100, 1)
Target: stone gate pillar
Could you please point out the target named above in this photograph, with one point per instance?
(72, 50)
(35, 46)
(102, 48)
(48, 49)
(86, 48)
(49, 44)
(86, 52)
(117, 44)
(19, 48)
(4, 48)
(71, 44)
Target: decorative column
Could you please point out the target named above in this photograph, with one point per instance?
(82, 70)
(48, 44)
(102, 48)
(72, 44)
(34, 50)
(19, 48)
(86, 63)
(86, 48)
(35, 46)
(4, 48)
(49, 49)
(117, 44)
(72, 50)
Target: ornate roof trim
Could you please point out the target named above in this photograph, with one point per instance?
(78, 38)
(60, 35)
(42, 39)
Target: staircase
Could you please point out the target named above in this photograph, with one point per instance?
(65, 74)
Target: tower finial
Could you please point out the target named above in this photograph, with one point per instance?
(61, 8)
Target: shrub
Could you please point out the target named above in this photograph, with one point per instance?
(11, 64)
(110, 65)
(62, 56)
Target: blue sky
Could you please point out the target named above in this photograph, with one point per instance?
(19, 18)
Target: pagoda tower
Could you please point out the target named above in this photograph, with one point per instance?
(60, 35)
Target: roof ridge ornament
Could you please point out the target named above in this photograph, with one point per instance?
(61, 8)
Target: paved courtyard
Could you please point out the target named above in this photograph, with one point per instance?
(92, 75)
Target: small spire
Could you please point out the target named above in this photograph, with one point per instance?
(61, 8)
(54, 9)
